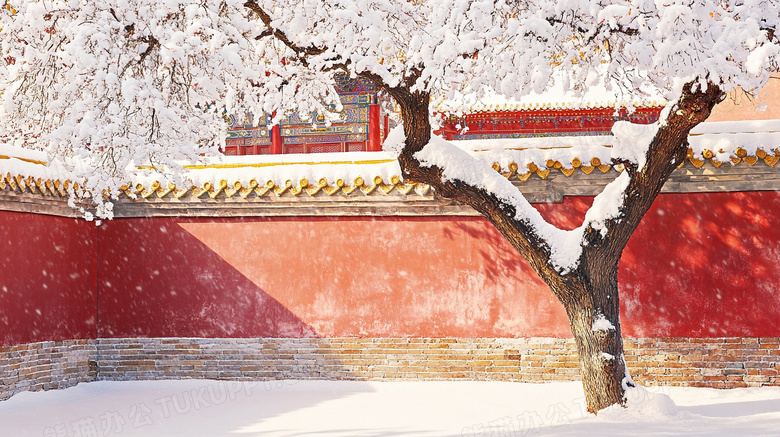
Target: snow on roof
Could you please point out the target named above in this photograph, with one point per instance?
(555, 98)
(717, 141)
(498, 105)
(24, 167)
(370, 172)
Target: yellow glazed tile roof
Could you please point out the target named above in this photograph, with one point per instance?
(374, 173)
(259, 187)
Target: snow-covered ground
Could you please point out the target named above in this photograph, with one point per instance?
(374, 409)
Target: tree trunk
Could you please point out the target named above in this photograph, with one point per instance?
(588, 295)
(590, 292)
(594, 317)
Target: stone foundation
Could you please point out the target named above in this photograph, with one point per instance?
(718, 363)
(46, 365)
(334, 358)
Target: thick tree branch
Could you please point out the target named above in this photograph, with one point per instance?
(665, 153)
(523, 237)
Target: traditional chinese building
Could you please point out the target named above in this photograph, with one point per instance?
(532, 121)
(362, 126)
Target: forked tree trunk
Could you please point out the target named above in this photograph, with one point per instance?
(589, 295)
(590, 292)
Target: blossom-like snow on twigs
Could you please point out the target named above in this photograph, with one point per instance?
(118, 84)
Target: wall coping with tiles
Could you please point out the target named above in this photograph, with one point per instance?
(374, 196)
(696, 362)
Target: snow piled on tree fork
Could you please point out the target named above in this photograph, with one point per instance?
(381, 409)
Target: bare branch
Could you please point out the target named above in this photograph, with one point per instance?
(301, 52)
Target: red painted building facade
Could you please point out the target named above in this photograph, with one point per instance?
(516, 122)
(362, 126)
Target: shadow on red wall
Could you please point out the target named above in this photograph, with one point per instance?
(353, 277)
(698, 265)
(523, 305)
(47, 278)
(157, 280)
(705, 265)
(687, 271)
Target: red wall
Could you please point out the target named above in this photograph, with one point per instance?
(700, 265)
(318, 276)
(705, 265)
(47, 278)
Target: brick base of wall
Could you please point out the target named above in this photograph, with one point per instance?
(719, 362)
(46, 365)
(704, 362)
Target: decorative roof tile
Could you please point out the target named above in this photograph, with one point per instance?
(378, 173)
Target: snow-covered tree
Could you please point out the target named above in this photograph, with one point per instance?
(119, 83)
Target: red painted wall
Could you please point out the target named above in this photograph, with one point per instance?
(47, 278)
(702, 265)
(317, 276)
(157, 279)
(699, 265)
(705, 265)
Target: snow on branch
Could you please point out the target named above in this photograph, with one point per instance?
(600, 323)
(632, 141)
(565, 247)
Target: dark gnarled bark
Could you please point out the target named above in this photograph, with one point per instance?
(600, 348)
(590, 292)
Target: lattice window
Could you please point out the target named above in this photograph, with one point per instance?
(293, 148)
(324, 148)
(356, 146)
